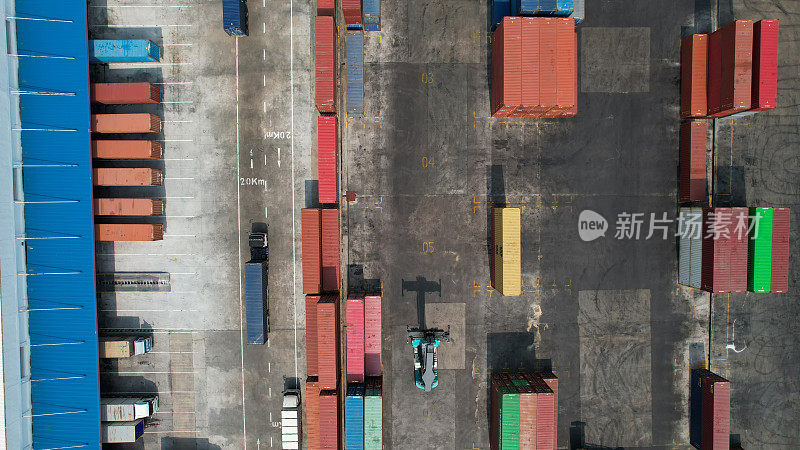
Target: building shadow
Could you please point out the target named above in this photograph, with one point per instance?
(183, 443)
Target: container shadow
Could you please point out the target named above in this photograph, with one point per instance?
(495, 197)
(312, 194)
(356, 282)
(179, 443)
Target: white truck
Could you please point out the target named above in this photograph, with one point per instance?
(119, 409)
(290, 419)
(124, 347)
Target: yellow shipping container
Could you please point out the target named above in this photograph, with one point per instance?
(507, 257)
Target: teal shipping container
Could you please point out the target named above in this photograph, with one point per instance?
(123, 50)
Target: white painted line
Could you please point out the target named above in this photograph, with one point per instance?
(170, 431)
(265, 106)
(172, 353)
(294, 251)
(239, 240)
(265, 80)
(141, 6)
(175, 140)
(264, 26)
(145, 65)
(270, 392)
(177, 45)
(180, 235)
(190, 198)
(183, 273)
(264, 55)
(128, 372)
(149, 310)
(178, 178)
(265, 212)
(176, 82)
(269, 368)
(178, 159)
(264, 3)
(251, 163)
(176, 121)
(265, 159)
(145, 254)
(118, 25)
(181, 217)
(174, 412)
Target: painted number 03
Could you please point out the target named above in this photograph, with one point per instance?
(427, 77)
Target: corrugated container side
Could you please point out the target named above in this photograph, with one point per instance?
(714, 72)
(327, 160)
(696, 407)
(311, 229)
(716, 416)
(737, 67)
(509, 415)
(128, 149)
(694, 76)
(326, 7)
(122, 50)
(327, 343)
(528, 402)
(552, 382)
(510, 70)
(373, 419)
(494, 411)
(716, 251)
(355, 72)
(529, 64)
(124, 93)
(311, 335)
(696, 249)
(765, 65)
(325, 63)
(126, 123)
(739, 250)
(780, 250)
(128, 232)
(126, 176)
(566, 40)
(684, 253)
(498, 64)
(548, 64)
(355, 338)
(354, 417)
(372, 13)
(693, 161)
(128, 207)
(373, 365)
(234, 17)
(329, 419)
(352, 13)
(312, 413)
(759, 268)
(508, 252)
(330, 249)
(545, 412)
(255, 281)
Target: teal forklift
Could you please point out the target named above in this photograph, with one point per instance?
(425, 343)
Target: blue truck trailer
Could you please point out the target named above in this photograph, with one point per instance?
(355, 72)
(123, 51)
(256, 289)
(234, 17)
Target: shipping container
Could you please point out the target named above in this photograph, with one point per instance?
(124, 93)
(736, 68)
(684, 248)
(759, 268)
(128, 232)
(354, 417)
(373, 365)
(311, 230)
(528, 402)
(326, 7)
(505, 421)
(693, 161)
(716, 426)
(717, 230)
(780, 250)
(552, 382)
(507, 248)
(696, 247)
(327, 161)
(373, 414)
(312, 412)
(330, 250)
(499, 9)
(234, 17)
(311, 335)
(329, 419)
(327, 342)
(256, 294)
(714, 103)
(543, 7)
(123, 347)
(127, 176)
(765, 65)
(128, 207)
(696, 407)
(123, 51)
(121, 409)
(121, 432)
(506, 93)
(140, 149)
(739, 246)
(372, 15)
(352, 14)
(694, 76)
(355, 73)
(325, 64)
(126, 123)
(355, 338)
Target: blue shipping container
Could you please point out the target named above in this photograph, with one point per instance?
(372, 15)
(355, 73)
(121, 51)
(542, 7)
(354, 417)
(234, 17)
(696, 407)
(256, 291)
(500, 9)
(372, 27)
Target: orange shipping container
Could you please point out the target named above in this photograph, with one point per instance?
(128, 207)
(103, 149)
(138, 176)
(125, 93)
(126, 123)
(694, 76)
(128, 232)
(312, 412)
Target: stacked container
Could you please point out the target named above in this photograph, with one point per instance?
(690, 247)
(123, 51)
(330, 249)
(126, 123)
(765, 65)
(537, 409)
(352, 14)
(534, 68)
(694, 76)
(328, 419)
(325, 64)
(372, 15)
(327, 343)
(780, 250)
(739, 246)
(311, 335)
(312, 413)
(759, 268)
(134, 176)
(103, 149)
(326, 160)
(234, 17)
(373, 414)
(693, 161)
(684, 249)
(355, 338)
(730, 69)
(128, 232)
(717, 249)
(124, 93)
(716, 412)
(504, 431)
(326, 7)
(355, 73)
(506, 261)
(354, 417)
(311, 236)
(373, 365)
(128, 207)
(552, 382)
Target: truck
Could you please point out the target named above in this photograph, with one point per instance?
(234, 17)
(123, 409)
(121, 432)
(256, 290)
(124, 347)
(290, 419)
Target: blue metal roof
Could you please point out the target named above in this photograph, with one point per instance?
(58, 221)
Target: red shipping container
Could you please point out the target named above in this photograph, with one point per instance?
(355, 338)
(529, 68)
(328, 419)
(373, 366)
(715, 266)
(552, 382)
(128, 207)
(528, 402)
(312, 413)
(714, 72)
(352, 12)
(780, 250)
(328, 174)
(326, 7)
(311, 335)
(311, 229)
(736, 67)
(694, 76)
(716, 417)
(325, 64)
(330, 249)
(739, 250)
(693, 161)
(103, 149)
(327, 343)
(765, 65)
(566, 69)
(124, 93)
(128, 232)
(129, 176)
(545, 421)
(126, 123)
(506, 67)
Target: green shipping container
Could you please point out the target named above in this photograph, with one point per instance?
(509, 418)
(373, 419)
(759, 261)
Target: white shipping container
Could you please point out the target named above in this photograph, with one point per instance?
(684, 255)
(696, 250)
(121, 432)
(116, 409)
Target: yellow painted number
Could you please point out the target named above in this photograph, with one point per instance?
(427, 247)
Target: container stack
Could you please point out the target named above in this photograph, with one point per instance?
(355, 73)
(759, 268)
(330, 250)
(373, 366)
(724, 266)
(354, 416)
(355, 338)
(328, 420)
(327, 343)
(326, 7)
(311, 237)
(506, 259)
(693, 161)
(524, 411)
(372, 15)
(709, 410)
(327, 160)
(779, 283)
(694, 76)
(325, 64)
(352, 14)
(373, 414)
